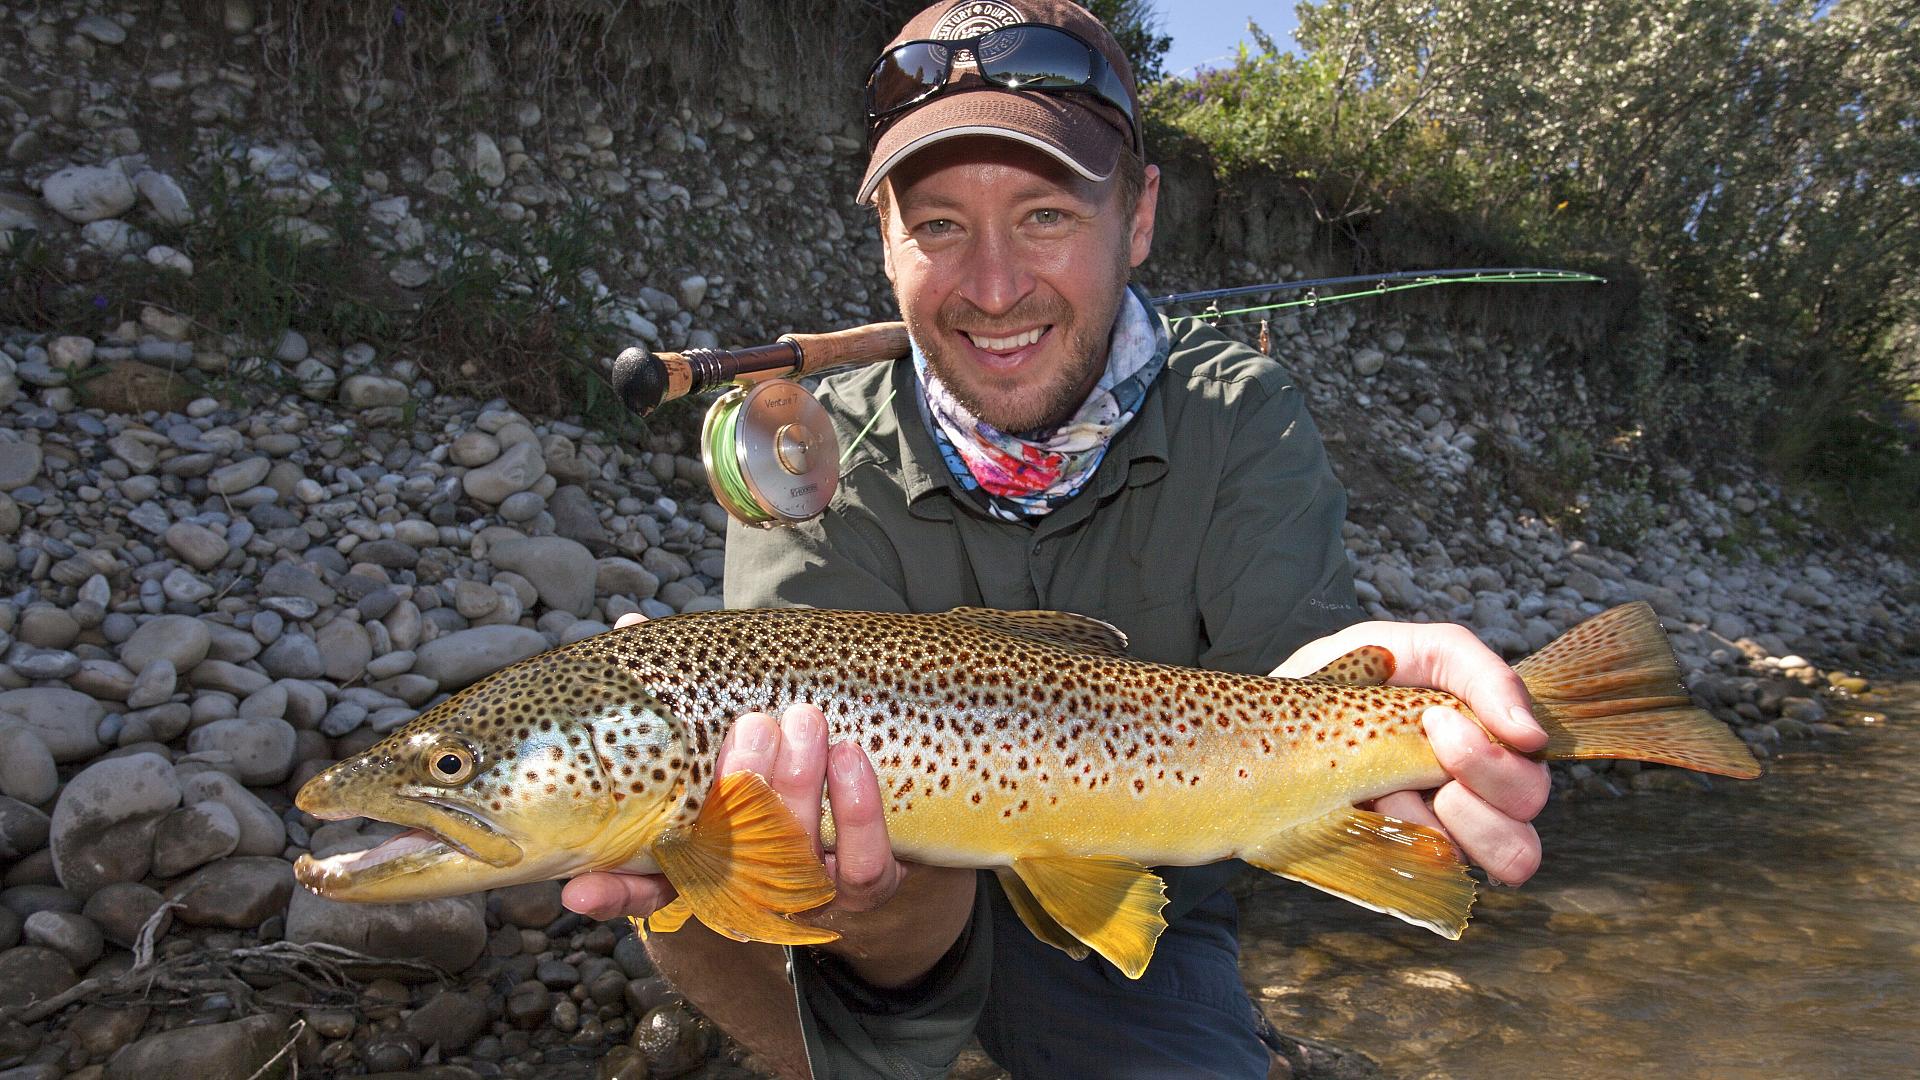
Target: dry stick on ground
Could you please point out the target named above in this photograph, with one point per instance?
(317, 965)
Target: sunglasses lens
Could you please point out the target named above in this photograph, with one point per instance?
(1035, 58)
(904, 75)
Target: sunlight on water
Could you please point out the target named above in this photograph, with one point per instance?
(1766, 929)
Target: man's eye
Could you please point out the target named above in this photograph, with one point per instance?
(936, 227)
(1048, 217)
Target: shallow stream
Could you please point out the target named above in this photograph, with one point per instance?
(1763, 929)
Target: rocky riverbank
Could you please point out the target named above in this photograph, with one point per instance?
(229, 560)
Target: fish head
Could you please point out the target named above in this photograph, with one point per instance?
(558, 765)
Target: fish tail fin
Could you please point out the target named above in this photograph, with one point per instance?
(1610, 688)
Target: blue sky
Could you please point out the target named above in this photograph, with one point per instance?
(1206, 32)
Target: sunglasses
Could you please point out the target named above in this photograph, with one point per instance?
(1023, 56)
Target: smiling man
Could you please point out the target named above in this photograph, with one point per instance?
(1053, 443)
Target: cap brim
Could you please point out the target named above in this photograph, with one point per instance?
(1053, 123)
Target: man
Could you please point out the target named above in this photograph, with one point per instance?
(1052, 444)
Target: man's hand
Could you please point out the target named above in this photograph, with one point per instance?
(889, 946)
(1494, 792)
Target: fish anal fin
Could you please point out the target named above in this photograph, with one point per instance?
(1111, 905)
(668, 919)
(1036, 917)
(1378, 862)
(1368, 665)
(744, 864)
(1065, 629)
(1610, 688)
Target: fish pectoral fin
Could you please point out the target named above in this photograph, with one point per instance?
(1368, 665)
(664, 921)
(1080, 633)
(745, 864)
(1112, 905)
(1406, 870)
(1042, 924)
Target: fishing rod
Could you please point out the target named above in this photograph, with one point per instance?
(771, 454)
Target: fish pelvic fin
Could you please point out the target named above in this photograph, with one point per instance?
(1109, 904)
(744, 864)
(1080, 633)
(664, 921)
(1405, 870)
(1042, 924)
(1368, 665)
(1610, 688)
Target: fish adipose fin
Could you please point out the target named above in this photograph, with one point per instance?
(1609, 688)
(1378, 862)
(1062, 628)
(744, 864)
(1368, 665)
(1110, 904)
(1036, 917)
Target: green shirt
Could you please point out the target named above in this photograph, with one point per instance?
(1210, 535)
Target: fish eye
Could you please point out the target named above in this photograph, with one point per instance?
(449, 764)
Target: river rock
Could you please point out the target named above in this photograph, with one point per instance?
(562, 570)
(83, 193)
(72, 936)
(239, 1049)
(165, 200)
(452, 1019)
(262, 832)
(193, 836)
(66, 721)
(33, 973)
(517, 468)
(449, 932)
(101, 1030)
(122, 908)
(103, 825)
(180, 639)
(239, 892)
(23, 829)
(200, 547)
(27, 770)
(533, 905)
(345, 651)
(457, 659)
(293, 656)
(262, 748)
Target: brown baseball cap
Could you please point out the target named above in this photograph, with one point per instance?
(1080, 129)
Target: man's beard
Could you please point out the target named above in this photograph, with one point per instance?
(1051, 403)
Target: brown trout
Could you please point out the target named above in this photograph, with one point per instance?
(1027, 743)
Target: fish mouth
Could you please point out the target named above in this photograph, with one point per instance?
(445, 851)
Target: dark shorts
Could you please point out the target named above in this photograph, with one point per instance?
(1050, 1017)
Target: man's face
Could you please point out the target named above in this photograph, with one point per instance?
(1009, 271)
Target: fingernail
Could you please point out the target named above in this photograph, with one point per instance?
(1519, 714)
(800, 723)
(755, 734)
(846, 760)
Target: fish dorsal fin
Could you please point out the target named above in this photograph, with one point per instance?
(1062, 628)
(1110, 904)
(1368, 665)
(1378, 862)
(1036, 917)
(745, 863)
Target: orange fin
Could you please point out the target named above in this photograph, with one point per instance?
(1110, 904)
(1065, 629)
(1042, 924)
(744, 864)
(1378, 862)
(1609, 688)
(664, 921)
(1368, 665)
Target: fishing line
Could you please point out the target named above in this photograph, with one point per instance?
(719, 434)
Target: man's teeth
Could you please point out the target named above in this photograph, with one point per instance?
(993, 344)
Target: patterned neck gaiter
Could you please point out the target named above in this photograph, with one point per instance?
(1022, 476)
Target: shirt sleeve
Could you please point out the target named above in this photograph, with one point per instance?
(852, 1030)
(1274, 574)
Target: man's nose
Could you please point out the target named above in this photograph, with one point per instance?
(997, 279)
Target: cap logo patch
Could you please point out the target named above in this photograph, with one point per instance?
(974, 18)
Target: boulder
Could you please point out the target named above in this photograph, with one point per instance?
(103, 825)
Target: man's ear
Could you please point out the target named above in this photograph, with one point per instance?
(1140, 240)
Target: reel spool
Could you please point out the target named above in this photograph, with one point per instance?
(771, 455)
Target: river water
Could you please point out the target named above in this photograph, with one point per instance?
(1761, 929)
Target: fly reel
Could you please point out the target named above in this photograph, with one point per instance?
(771, 455)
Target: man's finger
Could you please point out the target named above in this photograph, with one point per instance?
(1511, 783)
(799, 771)
(752, 745)
(607, 896)
(631, 618)
(1508, 850)
(865, 871)
(1407, 806)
